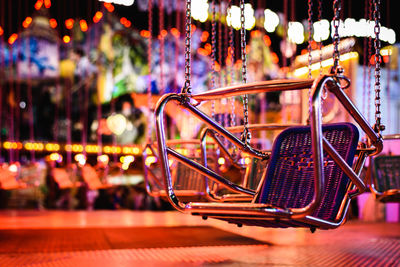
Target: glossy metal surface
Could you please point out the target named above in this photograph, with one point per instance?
(318, 144)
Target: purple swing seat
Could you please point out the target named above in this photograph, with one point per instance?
(289, 181)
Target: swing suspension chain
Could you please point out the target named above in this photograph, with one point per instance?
(324, 95)
(246, 135)
(232, 63)
(213, 55)
(310, 31)
(336, 39)
(320, 42)
(309, 52)
(377, 45)
(188, 31)
(149, 58)
(369, 64)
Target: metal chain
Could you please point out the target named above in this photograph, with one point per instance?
(246, 135)
(220, 76)
(310, 31)
(309, 48)
(213, 55)
(186, 89)
(336, 39)
(377, 45)
(369, 99)
(232, 64)
(320, 42)
(324, 90)
(149, 58)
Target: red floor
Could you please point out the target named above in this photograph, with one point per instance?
(354, 244)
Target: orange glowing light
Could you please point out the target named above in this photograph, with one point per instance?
(217, 66)
(66, 39)
(175, 32)
(204, 36)
(267, 40)
(123, 20)
(47, 3)
(193, 28)
(83, 24)
(128, 24)
(255, 33)
(385, 58)
(145, 34)
(1, 31)
(53, 23)
(208, 48)
(164, 33)
(109, 7)
(69, 23)
(12, 38)
(27, 22)
(275, 58)
(38, 4)
(314, 45)
(202, 51)
(97, 17)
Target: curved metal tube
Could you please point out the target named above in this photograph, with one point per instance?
(317, 139)
(253, 88)
(358, 117)
(162, 149)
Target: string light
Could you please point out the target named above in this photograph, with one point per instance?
(66, 39)
(47, 3)
(38, 4)
(27, 22)
(97, 17)
(109, 7)
(83, 25)
(69, 23)
(53, 23)
(12, 38)
(1, 31)
(124, 21)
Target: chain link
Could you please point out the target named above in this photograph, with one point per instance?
(309, 48)
(186, 89)
(310, 32)
(246, 135)
(149, 59)
(377, 45)
(336, 38)
(232, 64)
(213, 54)
(161, 38)
(320, 42)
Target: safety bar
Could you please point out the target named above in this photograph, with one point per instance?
(254, 88)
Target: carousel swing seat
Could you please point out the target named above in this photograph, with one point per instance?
(302, 186)
(187, 183)
(385, 180)
(288, 181)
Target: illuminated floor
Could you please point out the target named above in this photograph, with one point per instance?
(354, 244)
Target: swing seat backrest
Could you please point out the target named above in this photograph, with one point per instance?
(387, 173)
(289, 181)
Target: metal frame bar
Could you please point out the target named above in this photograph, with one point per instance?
(318, 144)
